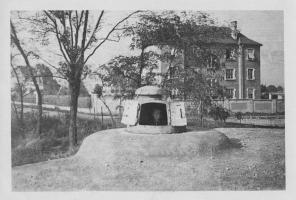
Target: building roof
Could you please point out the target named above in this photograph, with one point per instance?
(240, 38)
(150, 90)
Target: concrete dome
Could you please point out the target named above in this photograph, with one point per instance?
(150, 90)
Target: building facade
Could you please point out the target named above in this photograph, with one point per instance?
(240, 65)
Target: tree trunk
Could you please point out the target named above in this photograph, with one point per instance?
(201, 113)
(142, 65)
(16, 41)
(39, 116)
(185, 72)
(20, 87)
(74, 87)
(22, 106)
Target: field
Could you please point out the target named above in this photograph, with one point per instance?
(113, 160)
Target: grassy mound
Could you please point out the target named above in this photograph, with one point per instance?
(112, 145)
(117, 160)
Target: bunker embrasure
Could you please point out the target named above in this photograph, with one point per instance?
(152, 112)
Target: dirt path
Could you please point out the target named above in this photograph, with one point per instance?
(115, 160)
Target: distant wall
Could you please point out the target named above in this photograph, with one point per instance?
(253, 106)
(57, 100)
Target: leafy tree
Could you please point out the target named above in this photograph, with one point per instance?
(177, 31)
(280, 88)
(271, 88)
(125, 73)
(77, 38)
(189, 49)
(265, 90)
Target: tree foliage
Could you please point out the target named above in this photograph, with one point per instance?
(125, 73)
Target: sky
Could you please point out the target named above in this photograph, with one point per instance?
(265, 27)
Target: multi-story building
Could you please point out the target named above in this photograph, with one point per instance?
(240, 65)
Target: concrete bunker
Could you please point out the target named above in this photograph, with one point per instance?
(152, 112)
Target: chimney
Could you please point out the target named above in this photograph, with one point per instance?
(234, 31)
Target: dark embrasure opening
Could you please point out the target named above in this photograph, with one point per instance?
(153, 114)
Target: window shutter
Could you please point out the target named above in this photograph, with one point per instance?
(177, 112)
(234, 94)
(130, 112)
(254, 93)
(253, 74)
(234, 74)
(253, 54)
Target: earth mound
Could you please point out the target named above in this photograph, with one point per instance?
(113, 145)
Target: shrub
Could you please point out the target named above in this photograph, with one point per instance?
(219, 113)
(28, 147)
(239, 116)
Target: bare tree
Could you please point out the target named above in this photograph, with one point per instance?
(77, 38)
(25, 55)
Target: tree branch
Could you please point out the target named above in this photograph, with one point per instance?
(107, 36)
(94, 31)
(71, 28)
(78, 24)
(65, 54)
(51, 76)
(84, 34)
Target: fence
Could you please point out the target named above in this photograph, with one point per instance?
(254, 105)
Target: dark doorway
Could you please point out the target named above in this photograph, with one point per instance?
(153, 114)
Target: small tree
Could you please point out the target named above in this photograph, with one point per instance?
(126, 73)
(239, 116)
(98, 90)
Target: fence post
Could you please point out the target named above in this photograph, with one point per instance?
(273, 105)
(102, 115)
(36, 98)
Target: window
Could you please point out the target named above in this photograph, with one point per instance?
(212, 81)
(251, 93)
(230, 93)
(230, 74)
(231, 54)
(250, 54)
(251, 74)
(212, 62)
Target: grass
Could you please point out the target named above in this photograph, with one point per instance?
(27, 147)
(113, 161)
(256, 161)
